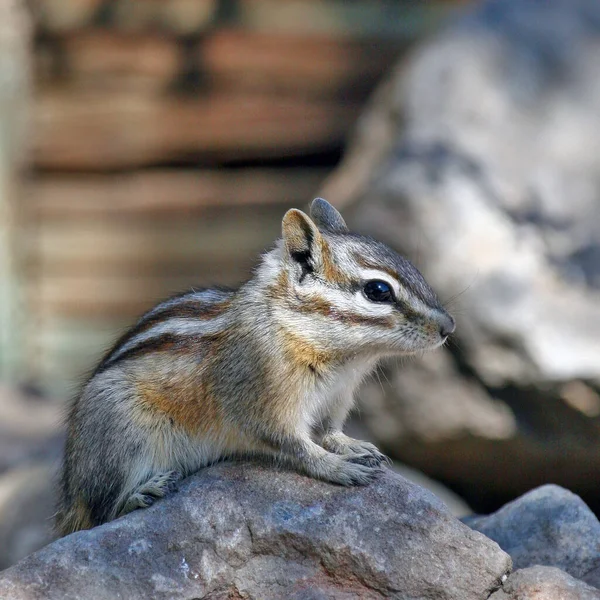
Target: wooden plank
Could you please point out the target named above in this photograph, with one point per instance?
(118, 267)
(94, 131)
(113, 296)
(229, 58)
(299, 63)
(169, 194)
(195, 268)
(97, 58)
(116, 241)
(368, 18)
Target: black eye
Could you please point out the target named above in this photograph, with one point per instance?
(378, 291)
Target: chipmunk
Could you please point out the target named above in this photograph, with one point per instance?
(212, 374)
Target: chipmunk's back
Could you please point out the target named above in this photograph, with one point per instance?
(148, 401)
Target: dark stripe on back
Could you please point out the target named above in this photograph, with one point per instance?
(186, 309)
(167, 342)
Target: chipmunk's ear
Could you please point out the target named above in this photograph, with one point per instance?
(302, 240)
(327, 217)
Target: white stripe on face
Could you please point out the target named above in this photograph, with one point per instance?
(357, 302)
(377, 275)
(351, 303)
(400, 292)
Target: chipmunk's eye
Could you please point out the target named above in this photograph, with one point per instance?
(378, 291)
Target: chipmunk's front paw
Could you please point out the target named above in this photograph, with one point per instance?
(356, 469)
(339, 443)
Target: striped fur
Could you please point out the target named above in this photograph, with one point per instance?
(256, 371)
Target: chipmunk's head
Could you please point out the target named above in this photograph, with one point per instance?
(347, 293)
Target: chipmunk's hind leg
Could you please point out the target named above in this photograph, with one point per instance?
(146, 494)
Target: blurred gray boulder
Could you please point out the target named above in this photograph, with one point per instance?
(30, 428)
(548, 526)
(31, 441)
(544, 583)
(241, 531)
(479, 159)
(27, 503)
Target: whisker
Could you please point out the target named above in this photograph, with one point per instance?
(452, 342)
(385, 377)
(447, 302)
(379, 380)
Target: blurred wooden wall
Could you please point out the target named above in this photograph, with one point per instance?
(169, 136)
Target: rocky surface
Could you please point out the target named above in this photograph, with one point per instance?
(457, 506)
(241, 531)
(544, 583)
(479, 159)
(548, 526)
(29, 456)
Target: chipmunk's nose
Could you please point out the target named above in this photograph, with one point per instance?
(447, 325)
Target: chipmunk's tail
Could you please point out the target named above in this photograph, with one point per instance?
(74, 517)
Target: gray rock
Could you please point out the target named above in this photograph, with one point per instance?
(479, 160)
(548, 526)
(27, 503)
(544, 583)
(458, 507)
(242, 531)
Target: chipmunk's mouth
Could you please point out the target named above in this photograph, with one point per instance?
(435, 334)
(442, 341)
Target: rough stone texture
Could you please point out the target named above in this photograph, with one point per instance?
(27, 504)
(544, 583)
(479, 159)
(29, 454)
(241, 531)
(457, 506)
(548, 526)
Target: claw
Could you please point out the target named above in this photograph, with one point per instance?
(364, 458)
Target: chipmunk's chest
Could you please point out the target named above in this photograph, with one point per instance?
(334, 389)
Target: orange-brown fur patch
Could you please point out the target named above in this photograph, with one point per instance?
(307, 355)
(183, 400)
(331, 271)
(175, 384)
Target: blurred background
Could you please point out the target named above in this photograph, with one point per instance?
(147, 146)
